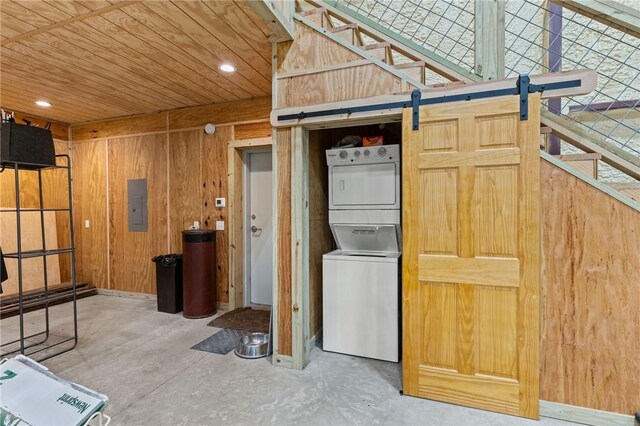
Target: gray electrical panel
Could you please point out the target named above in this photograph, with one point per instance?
(137, 204)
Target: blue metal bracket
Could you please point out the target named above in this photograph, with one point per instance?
(415, 104)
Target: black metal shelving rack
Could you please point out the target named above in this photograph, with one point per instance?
(38, 345)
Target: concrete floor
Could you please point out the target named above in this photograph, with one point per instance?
(141, 359)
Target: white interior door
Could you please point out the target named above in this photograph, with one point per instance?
(260, 232)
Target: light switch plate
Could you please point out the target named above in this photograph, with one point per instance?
(219, 225)
(221, 202)
(87, 223)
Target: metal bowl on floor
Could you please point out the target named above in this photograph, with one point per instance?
(255, 345)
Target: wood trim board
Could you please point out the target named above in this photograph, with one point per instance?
(587, 416)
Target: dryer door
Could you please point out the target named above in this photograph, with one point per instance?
(364, 186)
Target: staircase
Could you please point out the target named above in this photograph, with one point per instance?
(425, 69)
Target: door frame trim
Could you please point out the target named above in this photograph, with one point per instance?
(235, 173)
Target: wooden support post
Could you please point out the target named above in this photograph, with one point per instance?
(300, 245)
(274, 225)
(489, 39)
(554, 48)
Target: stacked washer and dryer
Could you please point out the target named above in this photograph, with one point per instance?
(361, 278)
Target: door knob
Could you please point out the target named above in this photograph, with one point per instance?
(254, 228)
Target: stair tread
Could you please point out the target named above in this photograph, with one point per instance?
(313, 11)
(580, 157)
(414, 64)
(343, 28)
(439, 86)
(379, 45)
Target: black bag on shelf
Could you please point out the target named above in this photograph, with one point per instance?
(26, 144)
(3, 271)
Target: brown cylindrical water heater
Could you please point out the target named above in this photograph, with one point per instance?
(199, 273)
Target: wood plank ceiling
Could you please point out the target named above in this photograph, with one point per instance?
(97, 59)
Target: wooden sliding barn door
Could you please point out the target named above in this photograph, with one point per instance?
(471, 255)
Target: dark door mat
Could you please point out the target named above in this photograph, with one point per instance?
(222, 342)
(254, 320)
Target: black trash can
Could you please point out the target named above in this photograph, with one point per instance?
(169, 282)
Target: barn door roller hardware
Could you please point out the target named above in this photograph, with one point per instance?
(522, 88)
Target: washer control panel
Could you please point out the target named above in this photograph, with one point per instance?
(363, 155)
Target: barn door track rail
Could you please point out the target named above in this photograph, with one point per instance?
(379, 107)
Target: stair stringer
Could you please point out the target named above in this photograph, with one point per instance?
(319, 66)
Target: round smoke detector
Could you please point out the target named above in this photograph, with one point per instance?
(209, 128)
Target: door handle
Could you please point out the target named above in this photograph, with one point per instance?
(255, 229)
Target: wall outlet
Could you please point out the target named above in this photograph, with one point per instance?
(87, 223)
(219, 225)
(221, 202)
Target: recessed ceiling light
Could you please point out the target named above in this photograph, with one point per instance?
(43, 103)
(227, 68)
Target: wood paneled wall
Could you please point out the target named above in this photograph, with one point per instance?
(90, 203)
(214, 184)
(590, 335)
(197, 176)
(185, 171)
(130, 253)
(56, 196)
(185, 176)
(320, 237)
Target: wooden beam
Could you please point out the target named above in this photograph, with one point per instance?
(147, 123)
(614, 14)
(580, 157)
(587, 77)
(59, 24)
(277, 20)
(282, 234)
(274, 225)
(220, 113)
(489, 39)
(225, 113)
(299, 246)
